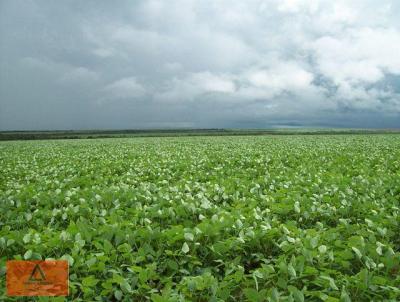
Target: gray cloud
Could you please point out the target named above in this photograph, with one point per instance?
(185, 63)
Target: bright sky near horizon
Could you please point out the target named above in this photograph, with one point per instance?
(202, 64)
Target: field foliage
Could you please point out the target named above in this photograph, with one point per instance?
(282, 218)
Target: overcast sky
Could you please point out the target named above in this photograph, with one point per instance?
(156, 64)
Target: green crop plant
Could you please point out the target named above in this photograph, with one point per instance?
(255, 218)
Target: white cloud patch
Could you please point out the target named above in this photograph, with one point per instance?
(283, 76)
(296, 6)
(193, 85)
(213, 83)
(126, 88)
(359, 55)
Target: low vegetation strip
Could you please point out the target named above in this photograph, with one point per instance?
(91, 134)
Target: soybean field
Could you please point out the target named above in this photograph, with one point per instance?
(244, 218)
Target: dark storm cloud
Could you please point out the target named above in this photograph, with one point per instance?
(149, 64)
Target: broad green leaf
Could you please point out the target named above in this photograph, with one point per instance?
(291, 271)
(357, 251)
(322, 249)
(118, 295)
(89, 281)
(185, 248)
(26, 238)
(189, 236)
(28, 254)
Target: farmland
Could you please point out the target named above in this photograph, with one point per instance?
(251, 218)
